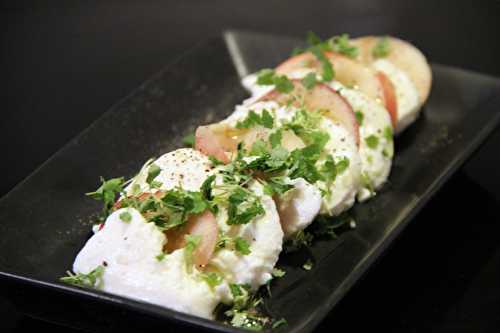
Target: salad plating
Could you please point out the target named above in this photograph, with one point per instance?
(199, 230)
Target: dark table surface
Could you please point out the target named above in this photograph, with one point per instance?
(65, 63)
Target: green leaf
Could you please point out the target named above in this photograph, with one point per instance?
(259, 147)
(329, 169)
(278, 272)
(372, 141)
(155, 184)
(275, 138)
(342, 165)
(211, 278)
(309, 81)
(388, 135)
(153, 171)
(107, 194)
(125, 217)
(253, 119)
(283, 84)
(192, 241)
(313, 39)
(359, 117)
(206, 187)
(265, 77)
(266, 119)
(308, 265)
(215, 161)
(160, 257)
(189, 140)
(92, 279)
(243, 207)
(342, 45)
(241, 246)
(382, 48)
(327, 68)
(276, 185)
(302, 164)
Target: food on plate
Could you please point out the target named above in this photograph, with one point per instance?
(199, 230)
(405, 66)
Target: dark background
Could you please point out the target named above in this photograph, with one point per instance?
(65, 63)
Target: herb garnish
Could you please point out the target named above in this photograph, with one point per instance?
(153, 172)
(308, 265)
(243, 206)
(92, 279)
(168, 209)
(327, 73)
(211, 278)
(268, 77)
(125, 217)
(244, 312)
(359, 117)
(189, 140)
(192, 241)
(382, 48)
(241, 246)
(107, 193)
(388, 135)
(277, 273)
(342, 45)
(372, 141)
(253, 119)
(309, 81)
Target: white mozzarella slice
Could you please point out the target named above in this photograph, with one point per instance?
(265, 237)
(299, 206)
(375, 161)
(407, 97)
(128, 251)
(184, 168)
(341, 194)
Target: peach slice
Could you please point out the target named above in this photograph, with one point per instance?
(320, 98)
(403, 55)
(210, 142)
(203, 225)
(348, 72)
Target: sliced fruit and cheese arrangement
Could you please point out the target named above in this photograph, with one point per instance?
(204, 226)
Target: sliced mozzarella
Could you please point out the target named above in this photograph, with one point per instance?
(375, 161)
(299, 206)
(187, 168)
(339, 195)
(184, 168)
(265, 237)
(406, 93)
(128, 251)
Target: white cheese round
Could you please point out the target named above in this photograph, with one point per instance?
(128, 251)
(265, 237)
(375, 161)
(408, 100)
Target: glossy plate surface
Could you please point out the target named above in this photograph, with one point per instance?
(44, 221)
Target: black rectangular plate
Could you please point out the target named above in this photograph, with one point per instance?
(44, 221)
